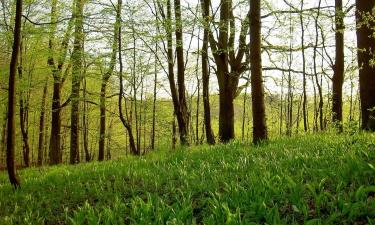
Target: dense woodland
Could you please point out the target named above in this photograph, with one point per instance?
(94, 80)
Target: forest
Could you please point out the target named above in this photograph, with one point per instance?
(187, 112)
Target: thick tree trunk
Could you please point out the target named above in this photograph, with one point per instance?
(11, 126)
(257, 89)
(77, 57)
(55, 139)
(338, 76)
(206, 74)
(226, 115)
(41, 125)
(366, 47)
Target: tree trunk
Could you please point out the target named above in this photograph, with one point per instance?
(183, 119)
(206, 74)
(102, 126)
(257, 89)
(304, 103)
(23, 101)
(77, 57)
(226, 111)
(366, 47)
(55, 151)
(41, 124)
(127, 125)
(11, 132)
(154, 101)
(338, 76)
(55, 139)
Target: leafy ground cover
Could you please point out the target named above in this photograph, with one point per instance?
(320, 179)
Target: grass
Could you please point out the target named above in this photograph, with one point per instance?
(320, 179)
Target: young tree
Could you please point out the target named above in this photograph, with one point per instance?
(257, 89)
(366, 47)
(338, 76)
(11, 132)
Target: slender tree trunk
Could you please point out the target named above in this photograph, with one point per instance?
(23, 101)
(318, 84)
(77, 62)
(257, 89)
(127, 125)
(366, 47)
(304, 104)
(103, 91)
(11, 126)
(85, 122)
(184, 117)
(338, 76)
(42, 116)
(154, 101)
(206, 74)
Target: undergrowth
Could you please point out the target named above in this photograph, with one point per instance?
(320, 179)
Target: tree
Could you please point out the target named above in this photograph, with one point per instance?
(41, 124)
(257, 89)
(229, 65)
(177, 91)
(125, 122)
(206, 73)
(57, 68)
(338, 76)
(11, 132)
(366, 47)
(77, 62)
(103, 91)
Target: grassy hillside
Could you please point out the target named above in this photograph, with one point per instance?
(321, 179)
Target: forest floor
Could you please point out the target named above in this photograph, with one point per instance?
(313, 179)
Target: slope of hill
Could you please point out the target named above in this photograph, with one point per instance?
(320, 179)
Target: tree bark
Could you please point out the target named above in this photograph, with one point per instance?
(23, 110)
(11, 132)
(304, 103)
(41, 125)
(55, 151)
(366, 48)
(338, 76)
(257, 89)
(77, 57)
(206, 74)
(127, 125)
(183, 119)
(103, 92)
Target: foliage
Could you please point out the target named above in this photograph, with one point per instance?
(320, 179)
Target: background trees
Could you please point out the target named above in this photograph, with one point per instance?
(145, 64)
